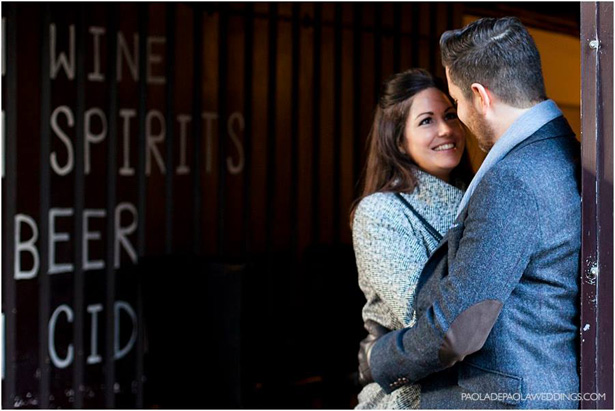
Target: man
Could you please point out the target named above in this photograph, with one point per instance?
(496, 303)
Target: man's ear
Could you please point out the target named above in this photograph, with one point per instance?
(483, 100)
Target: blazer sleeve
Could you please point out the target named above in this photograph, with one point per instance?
(389, 254)
(501, 232)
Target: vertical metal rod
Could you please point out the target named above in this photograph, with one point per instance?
(356, 99)
(113, 11)
(433, 44)
(271, 124)
(377, 49)
(248, 87)
(197, 130)
(9, 183)
(316, 59)
(170, 121)
(397, 10)
(450, 19)
(222, 112)
(337, 126)
(270, 274)
(414, 45)
(294, 133)
(141, 114)
(141, 188)
(79, 200)
(44, 199)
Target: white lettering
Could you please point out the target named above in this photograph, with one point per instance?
(57, 237)
(132, 62)
(90, 137)
(121, 352)
(96, 75)
(70, 161)
(154, 59)
(91, 235)
(183, 119)
(121, 233)
(153, 139)
(94, 358)
(57, 361)
(127, 114)
(235, 168)
(28, 245)
(62, 61)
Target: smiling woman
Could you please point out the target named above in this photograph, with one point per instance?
(434, 138)
(415, 176)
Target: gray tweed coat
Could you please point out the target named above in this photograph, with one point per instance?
(391, 247)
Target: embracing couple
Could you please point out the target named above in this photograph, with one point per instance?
(471, 281)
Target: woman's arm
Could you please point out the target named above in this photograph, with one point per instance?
(389, 253)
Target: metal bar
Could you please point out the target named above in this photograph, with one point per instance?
(397, 10)
(327, 24)
(248, 87)
(169, 94)
(222, 112)
(79, 200)
(112, 27)
(141, 113)
(337, 127)
(356, 103)
(197, 130)
(589, 103)
(450, 19)
(270, 273)
(377, 49)
(296, 55)
(271, 125)
(433, 33)
(604, 23)
(316, 53)
(414, 45)
(9, 209)
(44, 199)
(141, 188)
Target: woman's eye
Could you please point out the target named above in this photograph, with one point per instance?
(451, 116)
(425, 121)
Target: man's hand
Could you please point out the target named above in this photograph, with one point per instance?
(375, 331)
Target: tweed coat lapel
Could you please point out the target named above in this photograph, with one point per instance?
(446, 250)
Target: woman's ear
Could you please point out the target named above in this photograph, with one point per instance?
(481, 97)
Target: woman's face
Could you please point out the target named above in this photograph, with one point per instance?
(433, 136)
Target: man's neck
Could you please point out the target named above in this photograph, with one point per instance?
(505, 116)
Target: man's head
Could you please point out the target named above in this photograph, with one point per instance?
(491, 61)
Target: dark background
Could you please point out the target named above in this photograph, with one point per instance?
(245, 287)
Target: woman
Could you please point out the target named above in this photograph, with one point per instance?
(417, 149)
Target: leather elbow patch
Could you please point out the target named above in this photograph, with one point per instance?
(468, 333)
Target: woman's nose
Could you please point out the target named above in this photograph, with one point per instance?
(444, 129)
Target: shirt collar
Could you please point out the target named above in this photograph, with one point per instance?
(522, 128)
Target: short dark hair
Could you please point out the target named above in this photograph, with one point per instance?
(500, 54)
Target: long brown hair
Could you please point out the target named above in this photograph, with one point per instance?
(387, 168)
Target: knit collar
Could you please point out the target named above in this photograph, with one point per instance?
(430, 187)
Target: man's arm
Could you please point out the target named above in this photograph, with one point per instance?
(501, 232)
